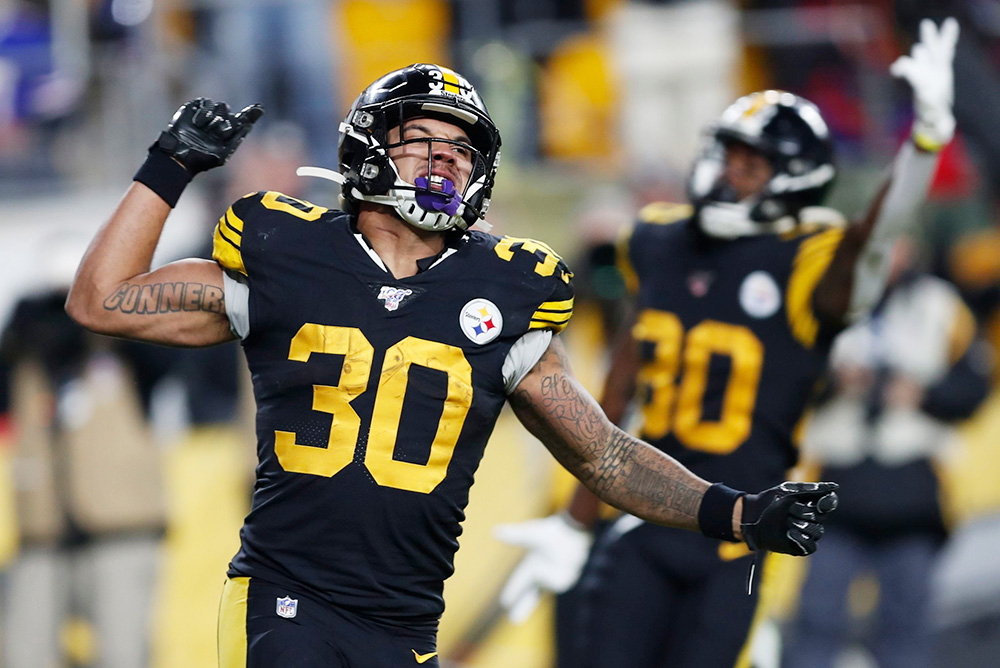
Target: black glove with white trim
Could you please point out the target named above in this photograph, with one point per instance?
(788, 518)
(203, 133)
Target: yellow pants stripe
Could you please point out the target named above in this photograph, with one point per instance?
(233, 623)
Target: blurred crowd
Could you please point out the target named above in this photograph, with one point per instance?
(125, 468)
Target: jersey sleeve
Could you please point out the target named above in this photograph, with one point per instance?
(534, 265)
(554, 313)
(227, 242)
(632, 259)
(253, 211)
(811, 261)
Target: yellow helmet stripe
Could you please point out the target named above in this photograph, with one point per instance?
(451, 81)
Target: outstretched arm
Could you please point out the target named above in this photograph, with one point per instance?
(620, 469)
(114, 291)
(637, 478)
(857, 275)
(619, 388)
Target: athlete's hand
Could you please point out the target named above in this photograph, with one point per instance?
(556, 552)
(788, 518)
(203, 133)
(928, 68)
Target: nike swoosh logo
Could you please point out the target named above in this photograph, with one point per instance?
(423, 658)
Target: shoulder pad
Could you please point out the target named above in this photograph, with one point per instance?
(228, 238)
(532, 256)
(274, 201)
(663, 213)
(553, 278)
(816, 218)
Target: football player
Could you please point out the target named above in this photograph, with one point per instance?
(738, 297)
(383, 341)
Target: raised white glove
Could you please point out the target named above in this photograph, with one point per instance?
(928, 69)
(556, 552)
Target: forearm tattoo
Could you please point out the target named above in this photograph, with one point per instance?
(165, 298)
(619, 468)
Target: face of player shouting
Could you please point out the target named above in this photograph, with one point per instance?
(433, 154)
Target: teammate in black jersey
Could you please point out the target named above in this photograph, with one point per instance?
(383, 341)
(737, 298)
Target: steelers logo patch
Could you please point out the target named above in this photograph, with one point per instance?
(481, 321)
(759, 295)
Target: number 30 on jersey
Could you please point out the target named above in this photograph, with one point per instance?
(346, 424)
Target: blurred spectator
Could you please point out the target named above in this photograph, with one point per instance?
(966, 586)
(977, 73)
(279, 53)
(89, 494)
(34, 93)
(898, 380)
(676, 62)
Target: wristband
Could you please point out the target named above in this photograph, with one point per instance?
(164, 176)
(715, 514)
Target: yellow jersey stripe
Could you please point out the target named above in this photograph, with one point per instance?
(230, 234)
(234, 222)
(564, 305)
(664, 213)
(233, 623)
(624, 263)
(811, 262)
(226, 243)
(551, 317)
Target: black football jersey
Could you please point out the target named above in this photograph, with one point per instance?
(375, 397)
(730, 346)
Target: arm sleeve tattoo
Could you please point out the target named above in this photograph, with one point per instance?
(620, 469)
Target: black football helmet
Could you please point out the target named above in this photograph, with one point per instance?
(418, 91)
(790, 132)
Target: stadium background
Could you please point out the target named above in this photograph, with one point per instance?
(600, 103)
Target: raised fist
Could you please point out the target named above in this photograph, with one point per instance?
(203, 133)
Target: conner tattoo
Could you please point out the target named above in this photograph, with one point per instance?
(165, 298)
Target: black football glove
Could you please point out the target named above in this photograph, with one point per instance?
(788, 518)
(203, 133)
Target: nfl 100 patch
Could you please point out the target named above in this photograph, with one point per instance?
(393, 296)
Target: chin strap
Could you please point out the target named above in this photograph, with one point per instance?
(724, 220)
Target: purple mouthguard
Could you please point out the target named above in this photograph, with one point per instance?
(446, 199)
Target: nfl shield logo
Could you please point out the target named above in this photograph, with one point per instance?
(287, 607)
(393, 296)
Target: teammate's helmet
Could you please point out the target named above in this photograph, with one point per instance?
(791, 133)
(418, 91)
